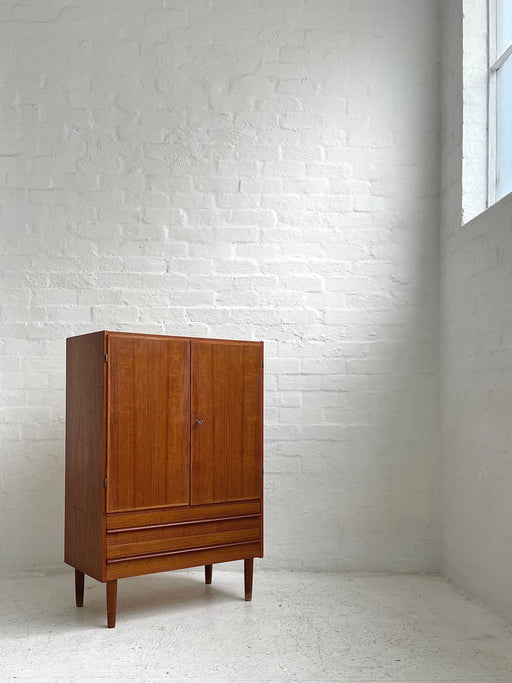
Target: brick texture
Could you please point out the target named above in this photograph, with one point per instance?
(232, 168)
(475, 353)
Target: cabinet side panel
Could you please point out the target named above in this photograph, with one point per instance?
(227, 437)
(85, 453)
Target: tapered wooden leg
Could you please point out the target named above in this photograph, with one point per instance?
(208, 568)
(79, 588)
(111, 603)
(248, 566)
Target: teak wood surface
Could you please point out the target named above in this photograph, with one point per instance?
(226, 445)
(149, 426)
(84, 537)
(177, 515)
(164, 456)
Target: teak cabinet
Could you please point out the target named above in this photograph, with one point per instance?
(164, 456)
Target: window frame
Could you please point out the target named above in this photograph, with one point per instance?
(495, 62)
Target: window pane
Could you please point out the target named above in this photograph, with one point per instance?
(504, 129)
(504, 24)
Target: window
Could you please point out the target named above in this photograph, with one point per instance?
(500, 99)
(476, 175)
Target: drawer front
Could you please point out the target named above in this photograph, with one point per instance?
(163, 562)
(176, 536)
(157, 516)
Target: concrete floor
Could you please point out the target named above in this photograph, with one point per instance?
(299, 627)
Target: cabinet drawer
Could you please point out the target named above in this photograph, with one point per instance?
(181, 536)
(167, 515)
(181, 559)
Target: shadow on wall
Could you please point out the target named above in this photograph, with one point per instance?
(32, 499)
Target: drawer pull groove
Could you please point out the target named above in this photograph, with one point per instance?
(175, 552)
(188, 521)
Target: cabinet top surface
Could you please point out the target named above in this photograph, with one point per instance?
(110, 333)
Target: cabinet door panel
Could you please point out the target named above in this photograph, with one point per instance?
(227, 444)
(149, 425)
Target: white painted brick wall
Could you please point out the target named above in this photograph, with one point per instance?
(232, 168)
(475, 362)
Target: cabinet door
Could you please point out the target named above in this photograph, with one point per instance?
(148, 422)
(227, 402)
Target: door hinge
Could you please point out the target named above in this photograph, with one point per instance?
(106, 358)
(262, 365)
(105, 481)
